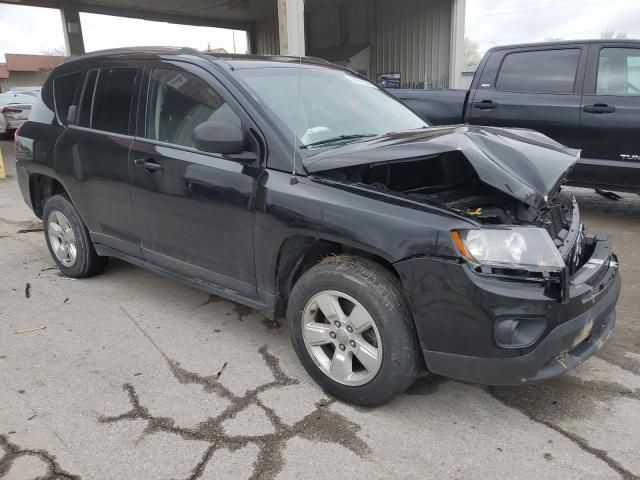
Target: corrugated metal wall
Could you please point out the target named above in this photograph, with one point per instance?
(266, 39)
(323, 29)
(338, 26)
(409, 37)
(413, 38)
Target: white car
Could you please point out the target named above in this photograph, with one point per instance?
(14, 111)
(34, 91)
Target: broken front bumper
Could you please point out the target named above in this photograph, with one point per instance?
(456, 312)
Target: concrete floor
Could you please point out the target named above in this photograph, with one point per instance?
(136, 376)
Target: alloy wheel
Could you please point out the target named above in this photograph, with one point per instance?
(342, 338)
(62, 238)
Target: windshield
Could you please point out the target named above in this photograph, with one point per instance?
(334, 107)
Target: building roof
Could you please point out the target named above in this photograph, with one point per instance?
(16, 62)
(215, 50)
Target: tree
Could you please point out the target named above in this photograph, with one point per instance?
(608, 34)
(471, 54)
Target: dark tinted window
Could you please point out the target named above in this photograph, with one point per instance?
(112, 99)
(180, 101)
(64, 91)
(542, 71)
(84, 119)
(619, 72)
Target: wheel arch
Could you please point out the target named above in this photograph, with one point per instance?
(298, 253)
(41, 188)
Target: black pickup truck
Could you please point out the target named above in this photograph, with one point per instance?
(583, 94)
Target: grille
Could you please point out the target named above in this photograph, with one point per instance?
(554, 219)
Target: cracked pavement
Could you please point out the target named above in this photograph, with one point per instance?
(136, 376)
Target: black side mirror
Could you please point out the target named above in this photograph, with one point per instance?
(218, 137)
(72, 115)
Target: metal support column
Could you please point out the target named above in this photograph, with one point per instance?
(291, 27)
(458, 8)
(72, 28)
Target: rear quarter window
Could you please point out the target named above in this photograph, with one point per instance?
(64, 92)
(539, 71)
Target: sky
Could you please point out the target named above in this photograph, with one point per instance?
(500, 22)
(488, 22)
(39, 30)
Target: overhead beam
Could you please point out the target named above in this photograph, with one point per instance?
(199, 21)
(33, 3)
(166, 17)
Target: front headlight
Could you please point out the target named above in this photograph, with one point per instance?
(509, 247)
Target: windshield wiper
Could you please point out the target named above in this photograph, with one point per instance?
(340, 138)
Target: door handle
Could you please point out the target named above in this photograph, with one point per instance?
(148, 164)
(599, 108)
(486, 105)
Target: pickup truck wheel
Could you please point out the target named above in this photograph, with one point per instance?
(68, 240)
(352, 331)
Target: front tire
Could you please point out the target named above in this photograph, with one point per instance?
(352, 331)
(68, 240)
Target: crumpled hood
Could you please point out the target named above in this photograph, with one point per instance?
(525, 164)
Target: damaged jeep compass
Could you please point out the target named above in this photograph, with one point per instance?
(304, 191)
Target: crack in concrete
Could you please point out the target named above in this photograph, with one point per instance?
(514, 398)
(13, 452)
(320, 425)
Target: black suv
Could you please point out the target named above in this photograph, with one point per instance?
(298, 188)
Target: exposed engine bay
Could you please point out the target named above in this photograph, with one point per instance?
(449, 180)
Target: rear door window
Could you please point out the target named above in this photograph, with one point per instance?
(539, 71)
(107, 99)
(86, 103)
(64, 92)
(619, 72)
(113, 100)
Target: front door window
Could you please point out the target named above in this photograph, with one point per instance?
(180, 101)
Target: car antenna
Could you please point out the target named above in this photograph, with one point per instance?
(294, 179)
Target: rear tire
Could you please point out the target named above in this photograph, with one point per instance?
(68, 240)
(352, 331)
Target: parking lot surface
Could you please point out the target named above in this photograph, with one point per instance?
(132, 375)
